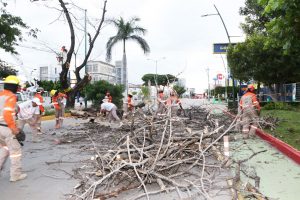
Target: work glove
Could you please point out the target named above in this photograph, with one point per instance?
(21, 137)
(15, 131)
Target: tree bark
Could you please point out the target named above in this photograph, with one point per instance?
(65, 66)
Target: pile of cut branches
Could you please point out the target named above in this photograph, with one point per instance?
(175, 154)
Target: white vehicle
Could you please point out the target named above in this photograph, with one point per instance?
(21, 97)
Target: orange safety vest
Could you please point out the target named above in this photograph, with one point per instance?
(110, 99)
(130, 106)
(8, 102)
(57, 100)
(249, 101)
(39, 96)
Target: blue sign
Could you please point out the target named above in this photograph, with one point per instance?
(221, 48)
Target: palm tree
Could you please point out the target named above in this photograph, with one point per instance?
(126, 31)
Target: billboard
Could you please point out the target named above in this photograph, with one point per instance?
(221, 48)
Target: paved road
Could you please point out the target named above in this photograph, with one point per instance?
(47, 182)
(53, 182)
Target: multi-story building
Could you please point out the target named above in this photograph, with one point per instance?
(101, 71)
(49, 73)
(120, 73)
(181, 82)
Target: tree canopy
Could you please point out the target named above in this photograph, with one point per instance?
(126, 30)
(264, 56)
(164, 79)
(6, 70)
(284, 28)
(179, 90)
(11, 30)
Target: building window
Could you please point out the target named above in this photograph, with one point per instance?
(95, 68)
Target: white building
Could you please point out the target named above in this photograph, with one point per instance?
(120, 73)
(101, 71)
(181, 82)
(49, 73)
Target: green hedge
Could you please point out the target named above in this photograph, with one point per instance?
(281, 106)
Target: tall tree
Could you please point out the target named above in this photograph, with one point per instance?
(126, 31)
(81, 82)
(11, 30)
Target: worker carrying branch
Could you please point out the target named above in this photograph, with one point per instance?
(250, 109)
(9, 133)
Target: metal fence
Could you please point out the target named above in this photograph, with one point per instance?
(287, 93)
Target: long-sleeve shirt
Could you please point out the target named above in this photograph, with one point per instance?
(26, 110)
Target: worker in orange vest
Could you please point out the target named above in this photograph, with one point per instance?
(109, 97)
(250, 110)
(161, 102)
(9, 133)
(173, 102)
(38, 117)
(57, 101)
(130, 103)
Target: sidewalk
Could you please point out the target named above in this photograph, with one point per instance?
(279, 175)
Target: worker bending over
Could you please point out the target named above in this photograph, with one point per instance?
(26, 115)
(111, 109)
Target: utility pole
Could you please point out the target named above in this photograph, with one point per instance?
(156, 61)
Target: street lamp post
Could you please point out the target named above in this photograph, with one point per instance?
(218, 13)
(156, 61)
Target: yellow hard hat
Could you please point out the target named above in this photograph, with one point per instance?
(52, 92)
(12, 79)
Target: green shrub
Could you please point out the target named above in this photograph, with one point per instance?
(277, 106)
(97, 91)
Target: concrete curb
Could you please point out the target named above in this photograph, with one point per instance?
(283, 147)
(51, 117)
